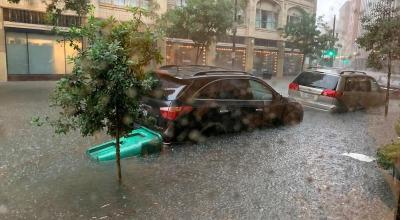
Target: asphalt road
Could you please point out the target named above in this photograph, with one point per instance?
(294, 172)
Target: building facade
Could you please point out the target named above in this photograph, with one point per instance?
(350, 28)
(29, 51)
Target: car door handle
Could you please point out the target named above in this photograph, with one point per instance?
(224, 111)
(259, 110)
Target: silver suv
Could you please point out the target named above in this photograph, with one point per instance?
(336, 90)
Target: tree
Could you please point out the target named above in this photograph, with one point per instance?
(381, 38)
(202, 21)
(108, 78)
(309, 35)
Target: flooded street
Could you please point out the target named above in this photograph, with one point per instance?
(296, 172)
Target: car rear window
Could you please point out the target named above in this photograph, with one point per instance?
(317, 80)
(168, 88)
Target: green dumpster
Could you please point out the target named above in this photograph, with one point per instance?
(140, 141)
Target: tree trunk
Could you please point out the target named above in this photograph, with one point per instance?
(117, 146)
(197, 55)
(199, 52)
(303, 62)
(117, 152)
(388, 84)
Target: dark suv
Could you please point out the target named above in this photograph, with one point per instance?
(195, 101)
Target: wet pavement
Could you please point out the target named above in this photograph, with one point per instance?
(296, 172)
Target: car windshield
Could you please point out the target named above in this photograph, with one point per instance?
(317, 80)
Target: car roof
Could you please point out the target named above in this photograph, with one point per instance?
(191, 72)
(186, 71)
(340, 72)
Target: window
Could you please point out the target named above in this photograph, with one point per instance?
(259, 91)
(293, 19)
(317, 80)
(17, 56)
(374, 86)
(132, 3)
(145, 4)
(210, 91)
(240, 16)
(34, 53)
(180, 3)
(229, 89)
(129, 3)
(358, 84)
(49, 55)
(70, 52)
(119, 2)
(265, 19)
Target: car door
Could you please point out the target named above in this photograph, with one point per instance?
(364, 91)
(219, 104)
(234, 96)
(376, 95)
(270, 102)
(208, 110)
(351, 96)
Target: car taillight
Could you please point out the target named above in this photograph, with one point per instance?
(294, 86)
(171, 113)
(331, 93)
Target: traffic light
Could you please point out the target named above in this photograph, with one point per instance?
(331, 53)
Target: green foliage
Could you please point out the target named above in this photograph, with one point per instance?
(200, 20)
(397, 127)
(381, 38)
(388, 155)
(310, 35)
(108, 78)
(382, 34)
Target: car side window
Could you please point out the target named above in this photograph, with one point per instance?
(374, 86)
(350, 84)
(358, 84)
(259, 91)
(237, 89)
(365, 84)
(234, 89)
(211, 91)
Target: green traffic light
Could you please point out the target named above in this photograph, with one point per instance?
(330, 53)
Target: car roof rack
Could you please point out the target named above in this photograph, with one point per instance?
(352, 72)
(186, 71)
(221, 72)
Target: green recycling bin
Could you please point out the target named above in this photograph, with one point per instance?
(140, 141)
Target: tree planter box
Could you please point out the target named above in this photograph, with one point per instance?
(139, 142)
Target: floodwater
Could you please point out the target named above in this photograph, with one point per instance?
(285, 172)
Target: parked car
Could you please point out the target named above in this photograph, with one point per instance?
(336, 90)
(394, 89)
(213, 101)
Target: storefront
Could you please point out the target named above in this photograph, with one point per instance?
(265, 61)
(292, 63)
(31, 50)
(184, 54)
(224, 58)
(33, 54)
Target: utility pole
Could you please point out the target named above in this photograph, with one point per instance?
(233, 55)
(333, 35)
